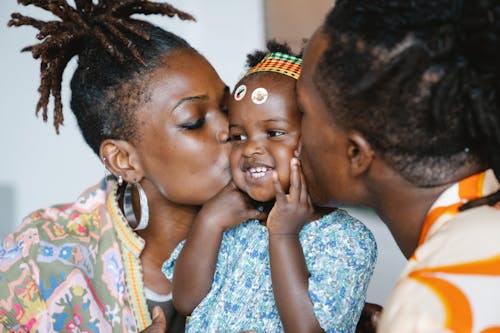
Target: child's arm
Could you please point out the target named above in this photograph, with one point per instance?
(288, 266)
(195, 267)
(332, 287)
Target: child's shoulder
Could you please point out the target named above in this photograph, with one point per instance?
(340, 225)
(340, 220)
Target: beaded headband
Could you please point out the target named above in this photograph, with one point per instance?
(279, 63)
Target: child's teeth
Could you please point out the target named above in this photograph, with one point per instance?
(258, 172)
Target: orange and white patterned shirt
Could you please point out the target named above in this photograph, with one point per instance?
(452, 281)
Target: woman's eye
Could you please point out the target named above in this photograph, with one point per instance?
(273, 134)
(237, 137)
(192, 125)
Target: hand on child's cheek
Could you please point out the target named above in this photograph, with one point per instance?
(229, 208)
(291, 211)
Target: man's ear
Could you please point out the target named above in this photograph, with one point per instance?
(122, 159)
(359, 153)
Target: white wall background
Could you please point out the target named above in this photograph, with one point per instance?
(39, 168)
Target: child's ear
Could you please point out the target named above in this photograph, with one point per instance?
(359, 153)
(122, 159)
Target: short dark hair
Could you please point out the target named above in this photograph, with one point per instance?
(271, 46)
(419, 79)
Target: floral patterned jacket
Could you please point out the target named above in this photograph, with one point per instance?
(74, 268)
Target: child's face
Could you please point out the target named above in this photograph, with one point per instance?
(264, 128)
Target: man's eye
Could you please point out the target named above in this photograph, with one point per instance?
(192, 125)
(273, 134)
(237, 137)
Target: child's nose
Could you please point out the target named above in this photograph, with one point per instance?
(253, 147)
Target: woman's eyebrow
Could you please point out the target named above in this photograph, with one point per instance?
(272, 120)
(188, 99)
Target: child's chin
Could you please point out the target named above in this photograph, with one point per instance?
(262, 197)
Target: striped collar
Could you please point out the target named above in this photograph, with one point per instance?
(131, 246)
(126, 235)
(449, 202)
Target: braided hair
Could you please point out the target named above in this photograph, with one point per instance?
(114, 52)
(419, 79)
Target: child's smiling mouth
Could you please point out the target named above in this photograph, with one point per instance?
(256, 172)
(259, 172)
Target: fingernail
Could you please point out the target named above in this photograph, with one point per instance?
(156, 313)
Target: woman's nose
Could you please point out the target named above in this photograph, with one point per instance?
(222, 135)
(222, 129)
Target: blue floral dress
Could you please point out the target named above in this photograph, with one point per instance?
(340, 253)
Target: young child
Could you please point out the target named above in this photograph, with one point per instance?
(297, 270)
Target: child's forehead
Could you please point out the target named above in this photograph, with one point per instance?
(263, 96)
(269, 79)
(272, 83)
(261, 89)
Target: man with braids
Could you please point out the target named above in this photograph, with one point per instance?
(152, 108)
(401, 103)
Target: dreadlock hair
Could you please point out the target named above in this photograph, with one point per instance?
(419, 79)
(114, 51)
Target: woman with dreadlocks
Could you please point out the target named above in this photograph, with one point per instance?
(152, 109)
(403, 99)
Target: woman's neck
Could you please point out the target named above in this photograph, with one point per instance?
(169, 224)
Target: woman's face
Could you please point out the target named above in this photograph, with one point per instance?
(323, 156)
(184, 130)
(264, 135)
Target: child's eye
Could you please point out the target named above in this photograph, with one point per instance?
(192, 125)
(237, 137)
(275, 133)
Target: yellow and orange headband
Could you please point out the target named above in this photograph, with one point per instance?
(279, 63)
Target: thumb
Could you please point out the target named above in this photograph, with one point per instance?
(159, 324)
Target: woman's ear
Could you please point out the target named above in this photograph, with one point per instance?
(359, 153)
(122, 159)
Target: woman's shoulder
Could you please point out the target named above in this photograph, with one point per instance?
(58, 230)
(79, 220)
